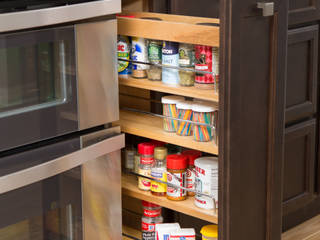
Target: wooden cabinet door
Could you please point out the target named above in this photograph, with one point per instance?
(302, 68)
(299, 166)
(301, 11)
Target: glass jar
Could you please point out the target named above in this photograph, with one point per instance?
(192, 155)
(176, 176)
(186, 78)
(146, 151)
(129, 159)
(151, 217)
(155, 57)
(203, 113)
(209, 232)
(170, 109)
(184, 111)
(186, 60)
(159, 172)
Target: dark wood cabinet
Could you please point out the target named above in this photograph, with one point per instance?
(302, 68)
(301, 11)
(299, 166)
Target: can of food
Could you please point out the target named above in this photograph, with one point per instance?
(170, 57)
(124, 49)
(139, 53)
(206, 182)
(154, 57)
(203, 55)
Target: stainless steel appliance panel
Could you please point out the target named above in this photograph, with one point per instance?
(97, 73)
(56, 15)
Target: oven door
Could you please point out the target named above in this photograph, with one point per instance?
(38, 88)
(58, 192)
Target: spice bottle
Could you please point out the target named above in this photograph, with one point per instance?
(136, 163)
(192, 155)
(155, 57)
(151, 217)
(186, 60)
(146, 151)
(176, 176)
(129, 159)
(159, 172)
(140, 54)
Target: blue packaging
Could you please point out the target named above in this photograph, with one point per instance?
(170, 57)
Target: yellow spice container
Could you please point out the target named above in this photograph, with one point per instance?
(209, 232)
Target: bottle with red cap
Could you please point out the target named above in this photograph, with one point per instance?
(176, 176)
(192, 155)
(151, 217)
(146, 152)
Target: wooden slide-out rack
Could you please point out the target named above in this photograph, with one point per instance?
(178, 29)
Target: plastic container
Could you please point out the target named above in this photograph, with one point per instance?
(203, 113)
(192, 155)
(184, 111)
(183, 233)
(176, 176)
(163, 230)
(170, 109)
(146, 151)
(206, 181)
(159, 172)
(151, 217)
(209, 232)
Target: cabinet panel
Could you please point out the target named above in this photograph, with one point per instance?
(301, 11)
(299, 166)
(302, 60)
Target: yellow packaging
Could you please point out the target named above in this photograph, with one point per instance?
(159, 175)
(144, 183)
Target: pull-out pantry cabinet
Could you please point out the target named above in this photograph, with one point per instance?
(251, 101)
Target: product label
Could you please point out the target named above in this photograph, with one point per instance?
(148, 231)
(139, 53)
(170, 56)
(159, 174)
(144, 183)
(176, 179)
(191, 177)
(154, 52)
(186, 57)
(191, 237)
(203, 55)
(152, 213)
(124, 52)
(146, 160)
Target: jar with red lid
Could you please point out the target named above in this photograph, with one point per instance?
(146, 151)
(151, 217)
(192, 155)
(176, 176)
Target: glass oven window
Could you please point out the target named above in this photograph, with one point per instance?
(34, 71)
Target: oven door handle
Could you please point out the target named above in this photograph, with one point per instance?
(59, 165)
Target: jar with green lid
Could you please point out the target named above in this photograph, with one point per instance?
(209, 232)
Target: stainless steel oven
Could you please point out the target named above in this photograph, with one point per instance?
(57, 80)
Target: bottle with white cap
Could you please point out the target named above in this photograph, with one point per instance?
(184, 109)
(170, 109)
(206, 182)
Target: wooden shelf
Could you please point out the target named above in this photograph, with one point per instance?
(131, 232)
(172, 28)
(130, 188)
(151, 127)
(158, 86)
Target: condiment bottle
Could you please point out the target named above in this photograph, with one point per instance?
(176, 176)
(151, 217)
(206, 182)
(159, 172)
(209, 232)
(191, 174)
(146, 151)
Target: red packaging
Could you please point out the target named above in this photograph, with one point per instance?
(204, 61)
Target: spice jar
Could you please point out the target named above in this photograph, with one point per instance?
(203, 113)
(146, 151)
(129, 159)
(209, 232)
(136, 163)
(204, 60)
(159, 172)
(186, 60)
(184, 111)
(176, 176)
(192, 155)
(170, 110)
(206, 182)
(155, 57)
(140, 54)
(151, 217)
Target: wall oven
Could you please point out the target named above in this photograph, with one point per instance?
(59, 154)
